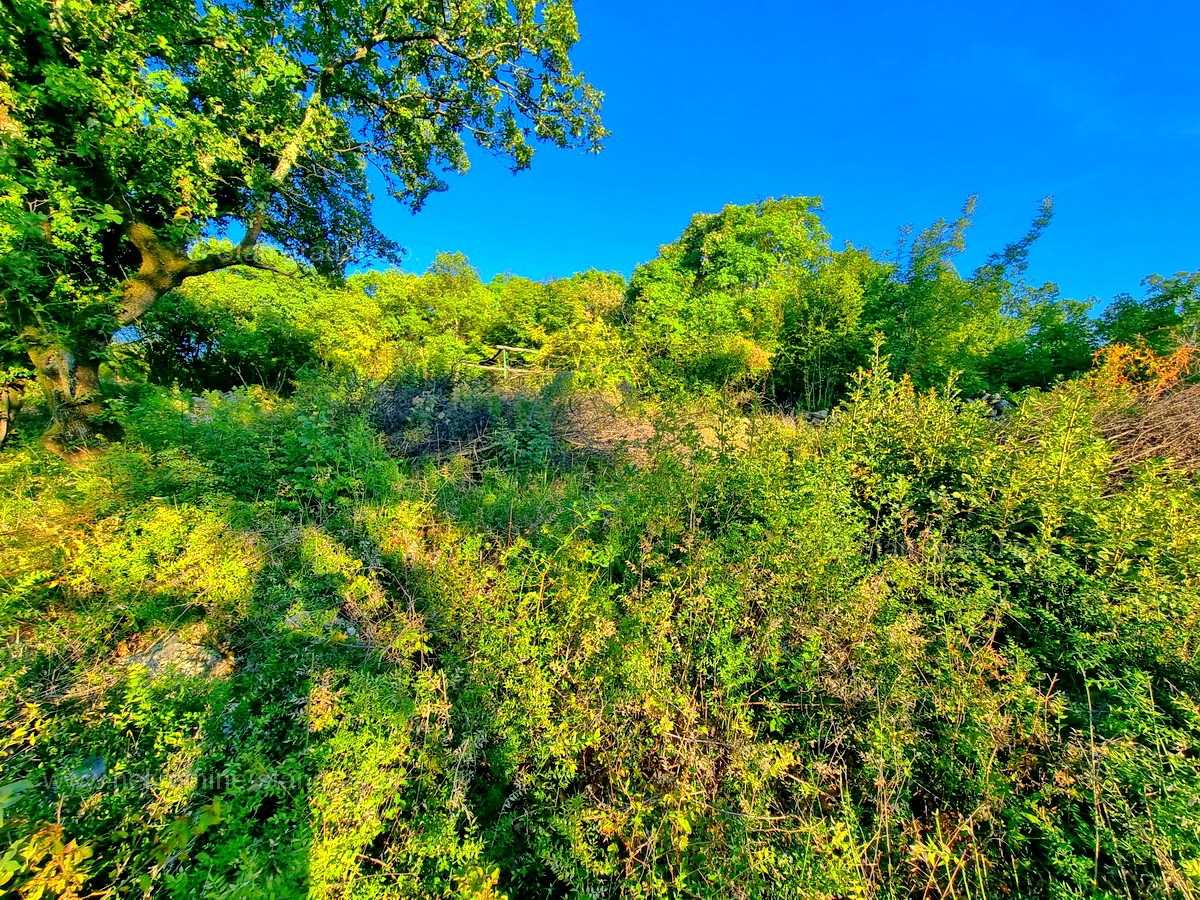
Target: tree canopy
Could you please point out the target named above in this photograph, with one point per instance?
(756, 295)
(1170, 309)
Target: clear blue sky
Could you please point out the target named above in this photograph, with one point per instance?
(892, 112)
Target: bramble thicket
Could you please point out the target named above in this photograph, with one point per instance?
(775, 570)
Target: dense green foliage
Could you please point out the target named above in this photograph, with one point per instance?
(913, 650)
(752, 299)
(918, 649)
(758, 288)
(438, 634)
(1169, 311)
(250, 327)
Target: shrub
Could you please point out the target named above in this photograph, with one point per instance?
(917, 650)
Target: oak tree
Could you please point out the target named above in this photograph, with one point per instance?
(129, 129)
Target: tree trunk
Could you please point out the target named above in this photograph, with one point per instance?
(163, 269)
(11, 396)
(68, 364)
(70, 380)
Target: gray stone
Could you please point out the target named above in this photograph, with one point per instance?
(174, 655)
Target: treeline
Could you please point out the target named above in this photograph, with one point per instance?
(753, 298)
(251, 327)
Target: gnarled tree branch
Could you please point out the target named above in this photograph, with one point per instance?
(165, 267)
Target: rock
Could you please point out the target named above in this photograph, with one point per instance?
(174, 655)
(200, 411)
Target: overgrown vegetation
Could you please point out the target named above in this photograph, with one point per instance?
(777, 571)
(431, 636)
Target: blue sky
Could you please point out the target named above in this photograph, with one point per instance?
(891, 112)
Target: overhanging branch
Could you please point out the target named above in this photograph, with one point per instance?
(165, 267)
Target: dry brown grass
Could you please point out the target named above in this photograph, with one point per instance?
(597, 423)
(447, 417)
(1157, 415)
(1163, 427)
